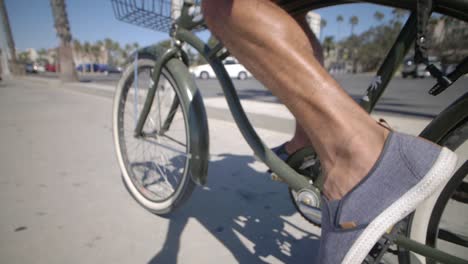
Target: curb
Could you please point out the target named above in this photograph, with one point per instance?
(47, 81)
(56, 82)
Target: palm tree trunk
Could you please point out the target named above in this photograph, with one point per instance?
(9, 38)
(62, 26)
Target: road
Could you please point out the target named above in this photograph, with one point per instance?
(403, 96)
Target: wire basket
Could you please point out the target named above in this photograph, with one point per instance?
(153, 14)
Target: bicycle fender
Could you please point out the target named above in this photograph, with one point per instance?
(197, 119)
(446, 120)
(154, 52)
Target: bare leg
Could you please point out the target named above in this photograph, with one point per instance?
(300, 138)
(346, 139)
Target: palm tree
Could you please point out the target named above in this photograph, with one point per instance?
(339, 19)
(398, 15)
(117, 53)
(108, 43)
(323, 24)
(96, 51)
(42, 53)
(128, 48)
(87, 47)
(353, 21)
(62, 26)
(379, 16)
(328, 44)
(108, 46)
(99, 45)
(23, 57)
(87, 50)
(77, 47)
(9, 38)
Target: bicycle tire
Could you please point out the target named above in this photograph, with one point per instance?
(139, 185)
(424, 225)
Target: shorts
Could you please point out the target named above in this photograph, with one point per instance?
(294, 6)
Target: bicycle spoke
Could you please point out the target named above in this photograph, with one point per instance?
(162, 174)
(163, 170)
(158, 164)
(170, 148)
(159, 109)
(174, 140)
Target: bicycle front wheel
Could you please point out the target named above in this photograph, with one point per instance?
(154, 165)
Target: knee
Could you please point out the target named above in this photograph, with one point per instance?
(216, 12)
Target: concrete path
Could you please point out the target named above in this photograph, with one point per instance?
(62, 199)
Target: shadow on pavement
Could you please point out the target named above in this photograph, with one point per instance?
(240, 202)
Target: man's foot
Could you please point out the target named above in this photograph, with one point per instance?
(407, 172)
(284, 151)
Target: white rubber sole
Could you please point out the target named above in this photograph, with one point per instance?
(437, 176)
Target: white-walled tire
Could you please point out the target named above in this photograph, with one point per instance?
(204, 75)
(157, 175)
(242, 76)
(436, 213)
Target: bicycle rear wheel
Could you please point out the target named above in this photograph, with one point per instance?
(442, 222)
(155, 165)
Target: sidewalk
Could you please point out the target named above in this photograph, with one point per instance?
(63, 201)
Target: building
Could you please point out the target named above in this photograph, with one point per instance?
(314, 21)
(449, 28)
(32, 54)
(449, 40)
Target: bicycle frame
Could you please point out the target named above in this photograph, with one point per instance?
(214, 55)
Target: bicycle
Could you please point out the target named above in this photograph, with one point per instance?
(167, 112)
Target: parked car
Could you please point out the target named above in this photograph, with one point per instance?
(30, 68)
(50, 67)
(95, 67)
(88, 67)
(40, 68)
(105, 68)
(34, 68)
(418, 71)
(203, 71)
(234, 69)
(81, 68)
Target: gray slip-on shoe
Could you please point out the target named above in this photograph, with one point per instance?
(407, 172)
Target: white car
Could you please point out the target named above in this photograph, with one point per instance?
(234, 69)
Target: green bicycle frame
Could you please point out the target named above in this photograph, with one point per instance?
(214, 55)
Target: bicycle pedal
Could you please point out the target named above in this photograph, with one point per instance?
(308, 162)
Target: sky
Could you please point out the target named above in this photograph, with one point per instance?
(92, 20)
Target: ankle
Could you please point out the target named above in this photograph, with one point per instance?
(352, 163)
(294, 145)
